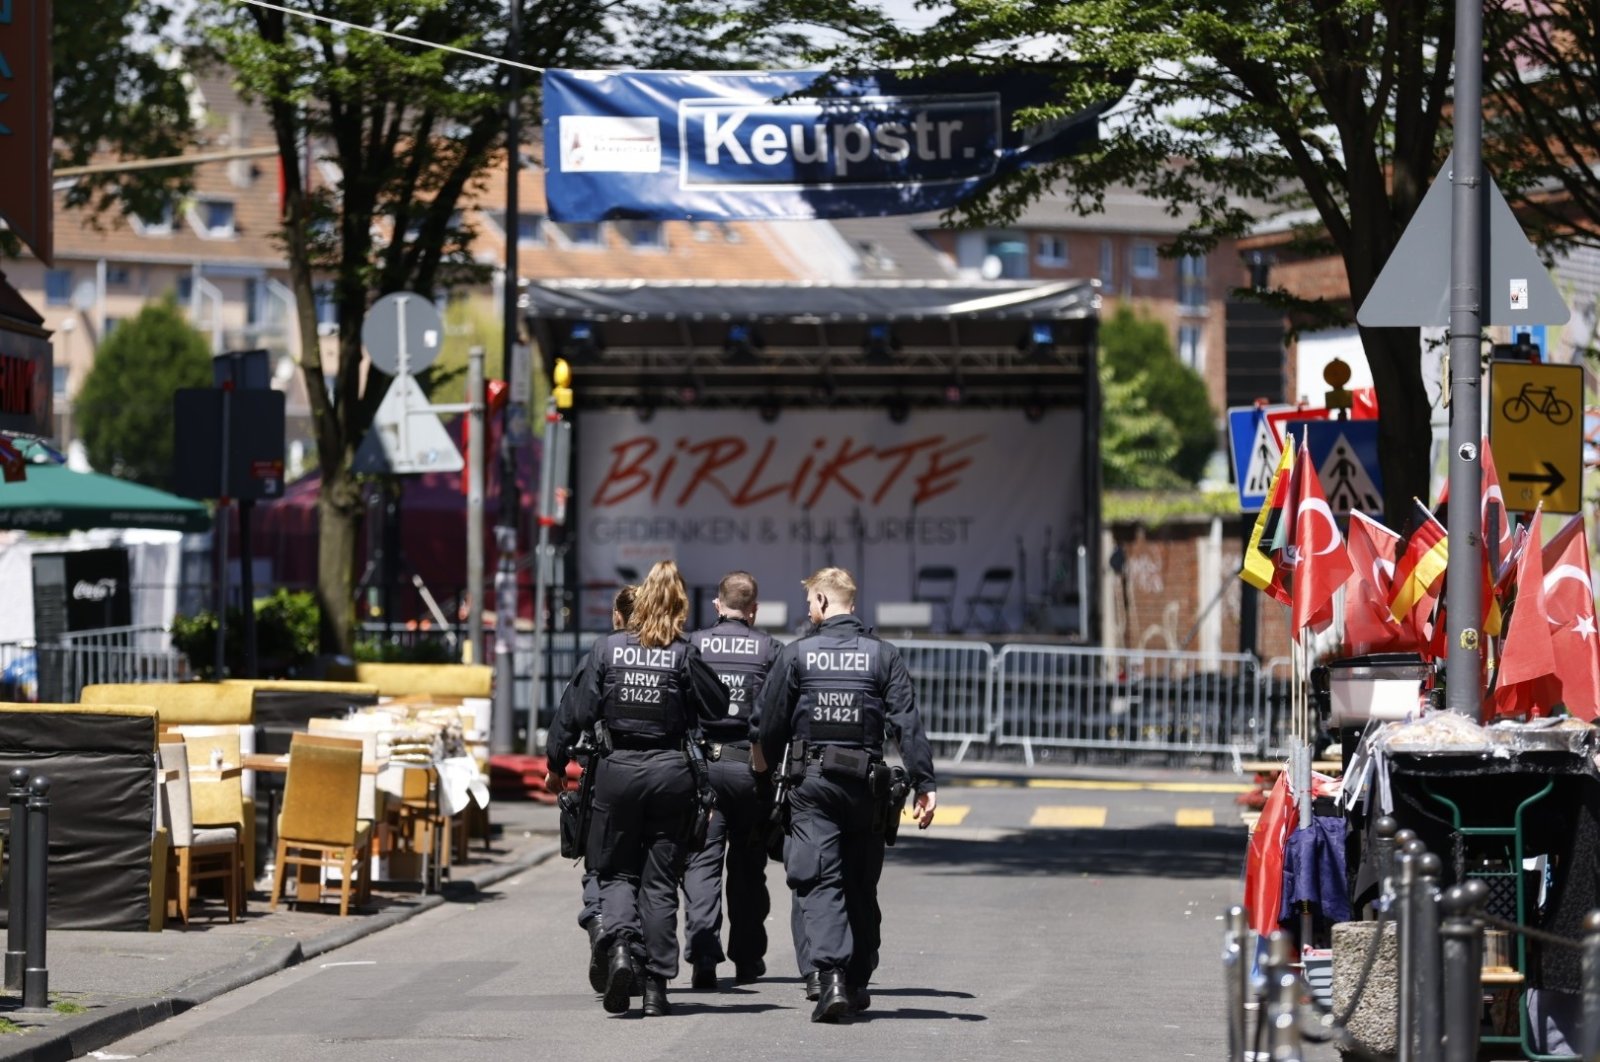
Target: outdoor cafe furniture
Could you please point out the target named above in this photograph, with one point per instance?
(198, 853)
(101, 761)
(318, 826)
(439, 681)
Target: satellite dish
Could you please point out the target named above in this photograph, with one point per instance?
(992, 267)
(85, 295)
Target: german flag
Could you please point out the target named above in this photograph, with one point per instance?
(1424, 561)
(1260, 570)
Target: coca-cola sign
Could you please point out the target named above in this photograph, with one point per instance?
(97, 590)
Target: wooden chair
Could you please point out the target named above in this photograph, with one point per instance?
(221, 799)
(197, 853)
(318, 826)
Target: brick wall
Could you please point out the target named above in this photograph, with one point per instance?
(1170, 573)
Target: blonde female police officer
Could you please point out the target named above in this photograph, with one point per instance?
(839, 689)
(650, 688)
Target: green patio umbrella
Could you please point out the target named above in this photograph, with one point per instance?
(55, 498)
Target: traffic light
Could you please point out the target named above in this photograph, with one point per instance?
(561, 378)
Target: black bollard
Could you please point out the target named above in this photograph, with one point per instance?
(1589, 1029)
(1428, 980)
(1461, 941)
(1282, 1002)
(35, 976)
(1237, 955)
(1384, 831)
(1405, 1020)
(16, 878)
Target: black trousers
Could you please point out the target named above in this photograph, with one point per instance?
(833, 859)
(642, 805)
(591, 899)
(736, 838)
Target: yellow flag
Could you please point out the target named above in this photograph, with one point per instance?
(1258, 570)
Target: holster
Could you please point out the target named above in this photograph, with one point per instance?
(705, 801)
(570, 805)
(893, 803)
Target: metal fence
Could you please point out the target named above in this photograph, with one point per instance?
(57, 672)
(955, 690)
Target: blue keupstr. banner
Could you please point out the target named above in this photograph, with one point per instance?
(792, 144)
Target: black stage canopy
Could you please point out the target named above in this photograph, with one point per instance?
(696, 343)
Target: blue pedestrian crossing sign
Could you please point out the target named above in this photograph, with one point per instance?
(1345, 455)
(1255, 451)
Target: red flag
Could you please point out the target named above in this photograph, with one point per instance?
(1526, 683)
(1569, 604)
(1317, 555)
(1368, 626)
(1496, 523)
(1263, 863)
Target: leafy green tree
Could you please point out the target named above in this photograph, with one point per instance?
(1137, 348)
(410, 132)
(1241, 108)
(125, 407)
(1138, 444)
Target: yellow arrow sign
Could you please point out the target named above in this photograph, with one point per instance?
(1536, 428)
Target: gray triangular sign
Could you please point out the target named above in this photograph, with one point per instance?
(406, 436)
(1414, 287)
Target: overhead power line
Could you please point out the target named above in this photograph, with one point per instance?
(342, 24)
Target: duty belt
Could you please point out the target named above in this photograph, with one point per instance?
(717, 751)
(644, 743)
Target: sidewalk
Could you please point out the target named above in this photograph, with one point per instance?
(105, 986)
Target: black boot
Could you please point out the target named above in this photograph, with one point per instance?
(833, 998)
(620, 978)
(746, 972)
(860, 998)
(597, 957)
(813, 985)
(655, 997)
(705, 975)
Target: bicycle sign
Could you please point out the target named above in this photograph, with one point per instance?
(1537, 434)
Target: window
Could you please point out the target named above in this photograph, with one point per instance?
(327, 310)
(58, 287)
(642, 234)
(58, 375)
(580, 233)
(1051, 251)
(185, 288)
(112, 324)
(1108, 263)
(159, 224)
(1144, 263)
(1005, 257)
(214, 218)
(117, 276)
(1192, 347)
(252, 300)
(530, 228)
(1192, 282)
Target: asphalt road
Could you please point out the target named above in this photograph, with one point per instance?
(1076, 922)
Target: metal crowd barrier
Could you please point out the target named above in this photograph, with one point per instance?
(115, 654)
(955, 690)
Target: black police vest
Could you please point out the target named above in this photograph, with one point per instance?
(641, 689)
(741, 657)
(841, 702)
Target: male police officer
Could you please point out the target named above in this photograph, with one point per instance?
(741, 657)
(837, 690)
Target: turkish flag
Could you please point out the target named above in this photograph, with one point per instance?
(1317, 554)
(1263, 861)
(1569, 605)
(1368, 625)
(1526, 683)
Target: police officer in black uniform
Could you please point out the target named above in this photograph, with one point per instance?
(651, 690)
(741, 657)
(839, 690)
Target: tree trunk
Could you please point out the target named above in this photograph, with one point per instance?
(1405, 438)
(338, 517)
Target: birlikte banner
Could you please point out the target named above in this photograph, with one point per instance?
(788, 144)
(946, 505)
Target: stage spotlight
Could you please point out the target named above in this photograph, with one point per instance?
(954, 393)
(769, 409)
(899, 409)
(583, 341)
(1039, 340)
(744, 342)
(880, 343)
(645, 408)
(1033, 411)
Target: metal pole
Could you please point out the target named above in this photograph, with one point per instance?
(547, 467)
(1406, 961)
(219, 535)
(1462, 941)
(503, 733)
(35, 976)
(247, 586)
(1236, 958)
(1589, 1028)
(17, 879)
(1463, 581)
(475, 448)
(1283, 987)
(1425, 946)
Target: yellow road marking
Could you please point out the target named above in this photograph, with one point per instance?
(1061, 815)
(946, 814)
(1196, 817)
(1148, 787)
